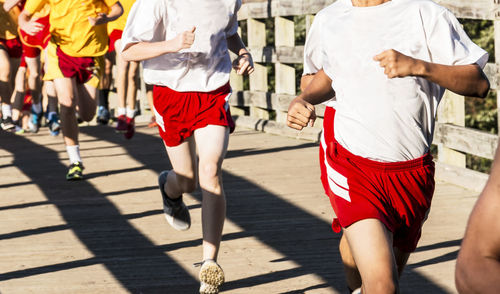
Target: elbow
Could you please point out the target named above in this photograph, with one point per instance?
(484, 88)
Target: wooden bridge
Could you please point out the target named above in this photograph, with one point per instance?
(107, 234)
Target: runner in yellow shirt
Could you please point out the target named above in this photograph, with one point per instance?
(75, 56)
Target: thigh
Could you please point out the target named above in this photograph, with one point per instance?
(212, 142)
(183, 158)
(4, 65)
(371, 246)
(33, 64)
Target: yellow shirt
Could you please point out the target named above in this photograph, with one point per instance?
(8, 22)
(119, 24)
(70, 27)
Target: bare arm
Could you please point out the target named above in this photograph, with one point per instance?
(244, 63)
(301, 111)
(29, 25)
(102, 18)
(9, 4)
(467, 80)
(478, 263)
(146, 50)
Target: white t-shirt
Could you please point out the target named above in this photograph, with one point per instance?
(380, 118)
(206, 65)
(313, 55)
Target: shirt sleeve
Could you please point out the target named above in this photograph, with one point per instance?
(449, 44)
(33, 6)
(143, 22)
(232, 27)
(313, 50)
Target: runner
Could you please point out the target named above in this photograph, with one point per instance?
(127, 76)
(184, 48)
(75, 51)
(10, 54)
(378, 171)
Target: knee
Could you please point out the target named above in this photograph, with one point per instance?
(87, 115)
(209, 171)
(131, 76)
(33, 74)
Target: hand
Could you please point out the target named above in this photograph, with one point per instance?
(396, 64)
(184, 40)
(243, 64)
(101, 18)
(32, 27)
(300, 113)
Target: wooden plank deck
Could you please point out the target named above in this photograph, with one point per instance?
(107, 234)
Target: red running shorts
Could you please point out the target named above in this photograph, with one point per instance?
(398, 194)
(13, 47)
(179, 114)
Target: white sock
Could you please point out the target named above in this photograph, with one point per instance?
(74, 153)
(130, 113)
(121, 111)
(37, 107)
(6, 110)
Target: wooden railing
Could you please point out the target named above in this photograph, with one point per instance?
(259, 106)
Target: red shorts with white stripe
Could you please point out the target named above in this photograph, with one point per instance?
(179, 114)
(398, 194)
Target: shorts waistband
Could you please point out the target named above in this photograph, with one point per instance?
(424, 160)
(226, 88)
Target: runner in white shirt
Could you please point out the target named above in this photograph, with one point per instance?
(388, 63)
(184, 48)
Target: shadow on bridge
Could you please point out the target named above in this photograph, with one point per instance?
(140, 265)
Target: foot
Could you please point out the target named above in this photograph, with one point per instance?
(103, 115)
(121, 124)
(35, 122)
(130, 128)
(8, 124)
(211, 277)
(176, 212)
(75, 172)
(54, 125)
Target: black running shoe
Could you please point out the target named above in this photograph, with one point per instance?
(75, 172)
(8, 124)
(176, 212)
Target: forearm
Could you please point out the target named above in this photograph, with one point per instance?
(115, 13)
(9, 4)
(319, 89)
(467, 80)
(146, 50)
(235, 45)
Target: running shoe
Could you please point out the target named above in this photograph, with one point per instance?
(211, 277)
(176, 212)
(35, 122)
(18, 130)
(130, 128)
(8, 124)
(54, 125)
(103, 115)
(121, 124)
(75, 172)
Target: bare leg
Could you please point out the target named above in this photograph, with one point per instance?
(66, 89)
(133, 70)
(353, 278)
(121, 79)
(182, 179)
(18, 93)
(371, 246)
(34, 81)
(5, 77)
(212, 144)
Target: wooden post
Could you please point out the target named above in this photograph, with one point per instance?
(284, 35)
(496, 24)
(258, 79)
(451, 110)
